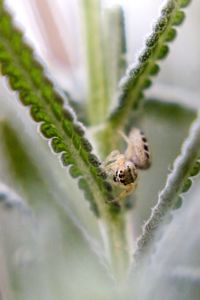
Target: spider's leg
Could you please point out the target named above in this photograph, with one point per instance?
(128, 190)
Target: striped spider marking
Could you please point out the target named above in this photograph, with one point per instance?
(137, 149)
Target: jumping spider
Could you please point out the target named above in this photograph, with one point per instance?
(122, 169)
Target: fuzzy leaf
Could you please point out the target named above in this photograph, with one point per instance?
(178, 182)
(165, 125)
(26, 76)
(174, 270)
(138, 76)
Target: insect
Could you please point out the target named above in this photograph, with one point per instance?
(122, 169)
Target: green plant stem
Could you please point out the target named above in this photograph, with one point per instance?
(177, 183)
(115, 52)
(117, 246)
(98, 101)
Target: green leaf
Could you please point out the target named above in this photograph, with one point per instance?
(35, 90)
(57, 121)
(178, 182)
(176, 252)
(138, 77)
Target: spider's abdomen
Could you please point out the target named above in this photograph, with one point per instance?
(138, 149)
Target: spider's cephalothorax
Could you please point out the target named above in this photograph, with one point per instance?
(122, 173)
(126, 174)
(122, 169)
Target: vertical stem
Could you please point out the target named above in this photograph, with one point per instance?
(116, 245)
(115, 51)
(97, 90)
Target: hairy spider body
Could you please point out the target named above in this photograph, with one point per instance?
(122, 169)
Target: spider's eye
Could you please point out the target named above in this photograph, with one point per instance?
(115, 178)
(121, 174)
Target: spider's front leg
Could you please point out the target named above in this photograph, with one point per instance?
(125, 192)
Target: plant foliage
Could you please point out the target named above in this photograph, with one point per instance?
(47, 107)
(138, 76)
(59, 125)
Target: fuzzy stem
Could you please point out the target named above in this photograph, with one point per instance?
(116, 246)
(97, 94)
(115, 52)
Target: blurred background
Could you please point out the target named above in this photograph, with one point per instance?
(54, 29)
(60, 247)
